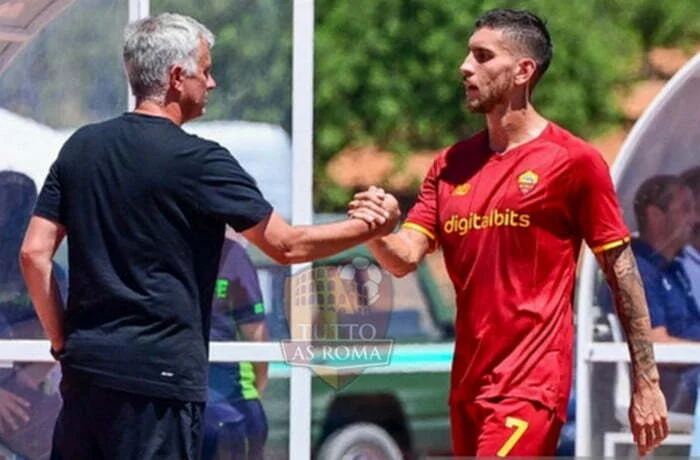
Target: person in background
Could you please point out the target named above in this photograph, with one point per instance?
(665, 213)
(144, 206)
(235, 421)
(690, 256)
(29, 400)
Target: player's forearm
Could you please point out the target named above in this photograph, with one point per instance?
(43, 290)
(260, 370)
(313, 242)
(257, 332)
(395, 254)
(620, 268)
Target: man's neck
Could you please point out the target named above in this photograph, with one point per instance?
(661, 246)
(170, 111)
(508, 128)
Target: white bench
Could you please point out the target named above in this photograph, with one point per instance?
(680, 424)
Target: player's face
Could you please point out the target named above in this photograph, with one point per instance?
(488, 70)
(681, 216)
(696, 229)
(196, 87)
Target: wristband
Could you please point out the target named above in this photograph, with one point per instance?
(56, 354)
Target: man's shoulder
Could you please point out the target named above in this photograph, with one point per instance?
(202, 145)
(577, 148)
(644, 255)
(464, 149)
(691, 256)
(94, 129)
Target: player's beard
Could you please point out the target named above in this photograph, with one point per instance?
(489, 96)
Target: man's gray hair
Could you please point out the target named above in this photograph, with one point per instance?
(153, 45)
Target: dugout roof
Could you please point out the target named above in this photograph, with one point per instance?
(20, 20)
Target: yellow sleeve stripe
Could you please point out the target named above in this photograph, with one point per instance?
(612, 245)
(420, 229)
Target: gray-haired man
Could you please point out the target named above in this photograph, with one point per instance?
(144, 206)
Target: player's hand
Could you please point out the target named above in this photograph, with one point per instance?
(14, 411)
(391, 206)
(368, 206)
(648, 417)
(377, 208)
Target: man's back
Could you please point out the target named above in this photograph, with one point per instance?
(134, 196)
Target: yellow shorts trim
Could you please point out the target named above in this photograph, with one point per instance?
(611, 245)
(420, 229)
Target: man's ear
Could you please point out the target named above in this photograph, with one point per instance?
(177, 77)
(525, 71)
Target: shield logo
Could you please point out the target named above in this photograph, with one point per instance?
(462, 189)
(339, 317)
(527, 181)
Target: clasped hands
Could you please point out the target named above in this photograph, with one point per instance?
(379, 209)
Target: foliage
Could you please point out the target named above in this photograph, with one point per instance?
(386, 70)
(252, 56)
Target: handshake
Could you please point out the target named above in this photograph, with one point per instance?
(378, 209)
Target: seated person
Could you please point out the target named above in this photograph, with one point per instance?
(29, 400)
(235, 422)
(665, 213)
(690, 257)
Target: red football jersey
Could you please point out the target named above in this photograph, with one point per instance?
(510, 226)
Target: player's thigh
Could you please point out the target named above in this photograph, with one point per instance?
(256, 420)
(256, 427)
(140, 427)
(516, 427)
(74, 432)
(463, 429)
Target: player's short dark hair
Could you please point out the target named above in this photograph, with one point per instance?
(525, 29)
(656, 191)
(691, 179)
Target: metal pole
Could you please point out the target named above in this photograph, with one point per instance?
(302, 206)
(584, 340)
(138, 9)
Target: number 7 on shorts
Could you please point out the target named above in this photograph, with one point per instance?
(520, 427)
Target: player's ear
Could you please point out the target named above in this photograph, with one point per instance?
(525, 71)
(176, 78)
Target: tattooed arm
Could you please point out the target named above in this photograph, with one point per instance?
(648, 414)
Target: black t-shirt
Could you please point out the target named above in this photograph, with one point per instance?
(144, 205)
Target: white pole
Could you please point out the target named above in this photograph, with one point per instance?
(302, 204)
(138, 9)
(584, 339)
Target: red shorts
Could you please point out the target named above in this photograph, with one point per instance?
(503, 427)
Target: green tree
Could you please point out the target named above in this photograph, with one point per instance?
(252, 56)
(387, 73)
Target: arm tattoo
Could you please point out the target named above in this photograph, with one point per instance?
(620, 268)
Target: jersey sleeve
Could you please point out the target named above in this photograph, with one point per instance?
(49, 202)
(226, 191)
(423, 216)
(238, 286)
(246, 295)
(597, 210)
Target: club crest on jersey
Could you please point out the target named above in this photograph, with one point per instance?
(462, 189)
(527, 181)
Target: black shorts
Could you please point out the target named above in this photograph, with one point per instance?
(100, 423)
